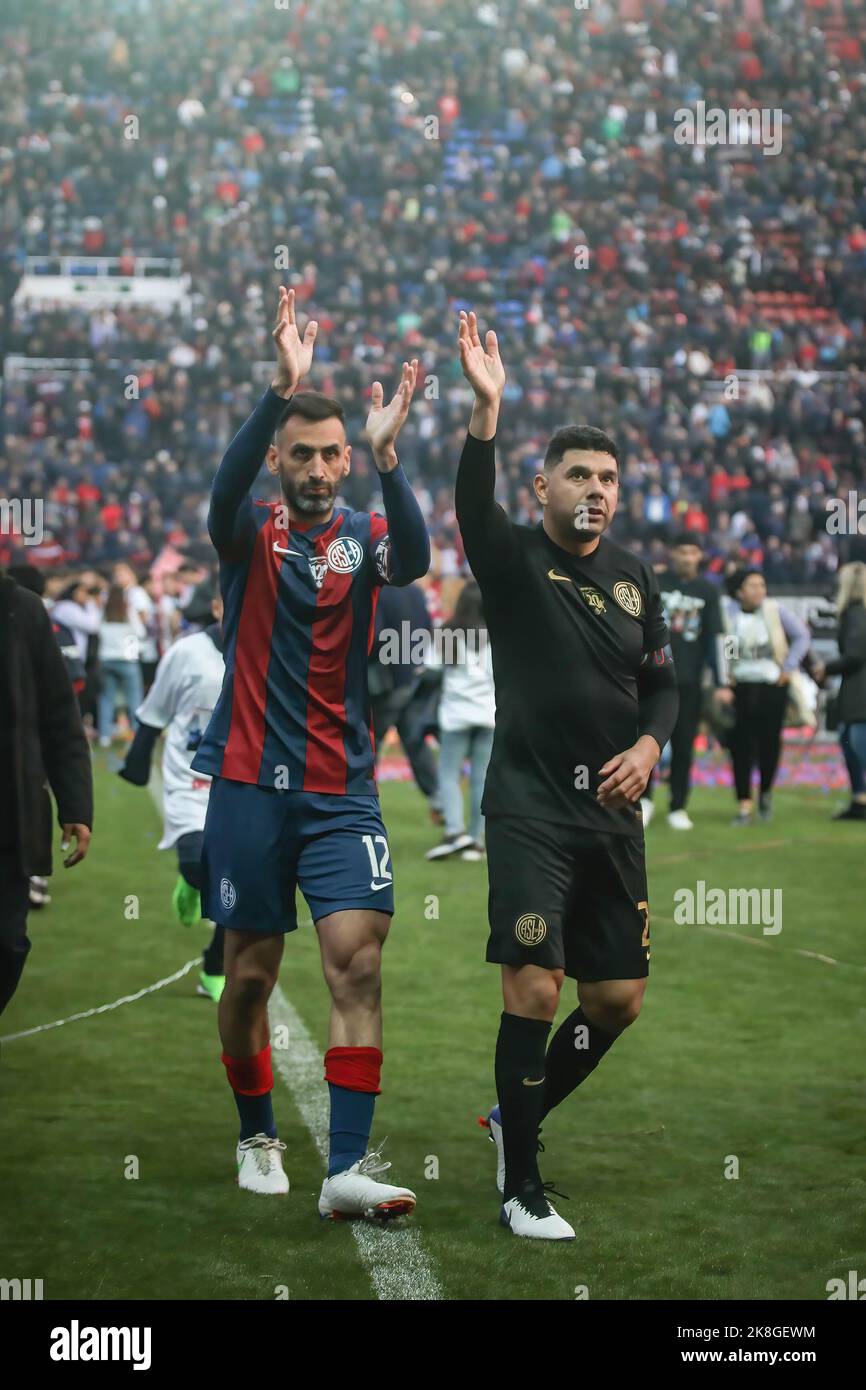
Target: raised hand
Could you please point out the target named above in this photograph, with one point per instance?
(481, 363)
(384, 422)
(294, 354)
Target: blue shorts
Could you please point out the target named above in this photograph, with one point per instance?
(261, 844)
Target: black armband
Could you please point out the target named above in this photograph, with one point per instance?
(658, 696)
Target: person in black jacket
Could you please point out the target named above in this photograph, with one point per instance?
(851, 666)
(691, 604)
(42, 744)
(32, 578)
(403, 693)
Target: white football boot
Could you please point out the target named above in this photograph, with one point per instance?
(260, 1168)
(356, 1193)
(493, 1125)
(647, 810)
(532, 1215)
(680, 820)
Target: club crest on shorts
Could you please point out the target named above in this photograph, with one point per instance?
(629, 597)
(592, 598)
(530, 929)
(344, 555)
(228, 896)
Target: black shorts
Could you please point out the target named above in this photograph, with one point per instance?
(566, 898)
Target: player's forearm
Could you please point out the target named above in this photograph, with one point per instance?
(240, 464)
(484, 419)
(476, 477)
(658, 703)
(407, 530)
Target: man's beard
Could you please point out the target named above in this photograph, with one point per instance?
(308, 504)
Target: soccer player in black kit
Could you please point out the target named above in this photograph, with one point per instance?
(585, 700)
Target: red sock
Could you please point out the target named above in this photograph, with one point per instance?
(252, 1080)
(354, 1068)
(250, 1076)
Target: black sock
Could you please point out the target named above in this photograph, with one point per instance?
(212, 957)
(572, 1056)
(519, 1086)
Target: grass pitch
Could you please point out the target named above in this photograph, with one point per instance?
(750, 1047)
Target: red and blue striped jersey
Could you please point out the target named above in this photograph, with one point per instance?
(294, 711)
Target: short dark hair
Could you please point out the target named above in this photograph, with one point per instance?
(736, 580)
(585, 437)
(688, 538)
(28, 577)
(311, 405)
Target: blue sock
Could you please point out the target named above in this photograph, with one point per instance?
(257, 1115)
(351, 1122)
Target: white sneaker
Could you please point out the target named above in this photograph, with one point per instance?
(474, 854)
(493, 1124)
(647, 811)
(260, 1168)
(452, 844)
(533, 1216)
(679, 820)
(356, 1193)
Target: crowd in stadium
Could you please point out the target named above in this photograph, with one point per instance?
(412, 159)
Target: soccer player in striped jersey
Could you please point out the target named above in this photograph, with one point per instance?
(290, 750)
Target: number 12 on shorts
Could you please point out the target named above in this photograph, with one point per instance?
(378, 863)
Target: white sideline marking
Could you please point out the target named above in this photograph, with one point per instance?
(105, 1008)
(399, 1266)
(768, 945)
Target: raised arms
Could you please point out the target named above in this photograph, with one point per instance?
(230, 522)
(485, 528)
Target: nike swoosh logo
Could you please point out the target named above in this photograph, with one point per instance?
(280, 551)
(527, 1082)
(566, 579)
(376, 886)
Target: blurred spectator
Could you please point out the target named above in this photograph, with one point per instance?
(851, 666)
(467, 714)
(770, 643)
(120, 638)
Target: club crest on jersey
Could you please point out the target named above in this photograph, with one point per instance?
(530, 929)
(593, 599)
(344, 555)
(629, 597)
(228, 896)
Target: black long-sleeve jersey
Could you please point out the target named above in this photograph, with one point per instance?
(579, 660)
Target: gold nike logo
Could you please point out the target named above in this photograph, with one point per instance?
(566, 579)
(527, 1082)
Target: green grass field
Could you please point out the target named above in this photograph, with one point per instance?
(746, 1047)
